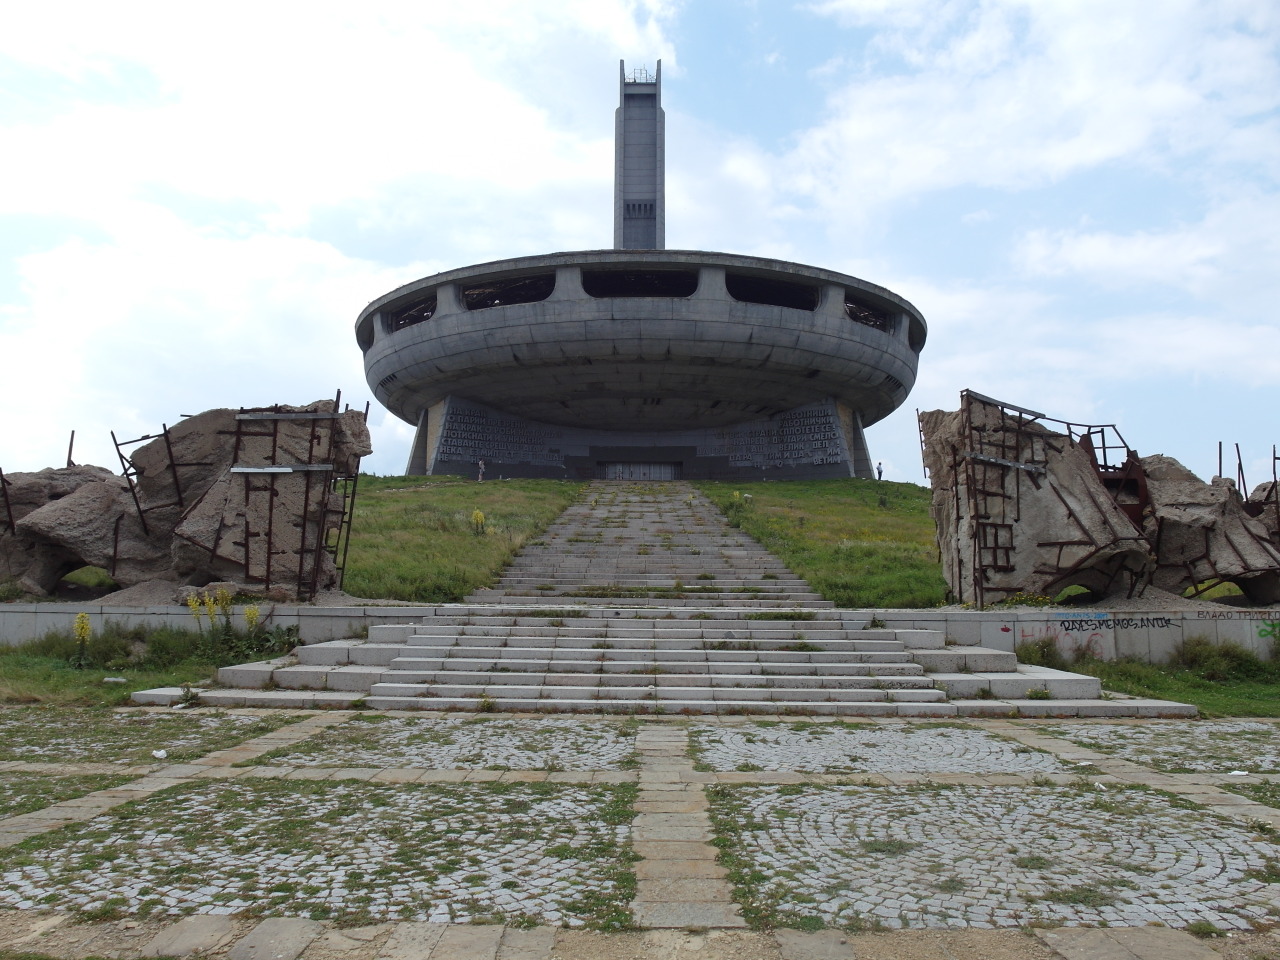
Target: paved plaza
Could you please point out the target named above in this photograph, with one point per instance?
(789, 834)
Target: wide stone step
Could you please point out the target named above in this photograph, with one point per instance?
(320, 700)
(608, 659)
(1058, 684)
(572, 610)
(656, 693)
(659, 607)
(658, 644)
(966, 659)
(734, 601)
(868, 681)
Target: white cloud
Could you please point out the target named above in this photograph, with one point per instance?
(1012, 94)
(1227, 259)
(124, 337)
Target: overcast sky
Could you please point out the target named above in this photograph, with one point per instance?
(1080, 195)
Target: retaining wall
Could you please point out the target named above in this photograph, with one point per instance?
(20, 622)
(1148, 635)
(1143, 635)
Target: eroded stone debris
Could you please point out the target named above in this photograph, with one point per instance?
(245, 496)
(1022, 508)
(1202, 531)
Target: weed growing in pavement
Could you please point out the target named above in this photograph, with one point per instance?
(77, 735)
(1203, 928)
(24, 792)
(257, 841)
(1267, 791)
(889, 847)
(1089, 895)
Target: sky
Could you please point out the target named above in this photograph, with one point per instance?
(1081, 196)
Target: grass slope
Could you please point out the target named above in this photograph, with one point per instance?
(861, 543)
(413, 538)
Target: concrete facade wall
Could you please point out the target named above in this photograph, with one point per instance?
(811, 442)
(20, 622)
(600, 362)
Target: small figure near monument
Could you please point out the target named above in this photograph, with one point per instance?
(480, 471)
(879, 471)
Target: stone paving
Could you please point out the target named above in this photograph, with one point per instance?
(946, 855)
(475, 742)
(24, 792)
(865, 748)
(68, 735)
(1180, 746)
(361, 851)
(360, 818)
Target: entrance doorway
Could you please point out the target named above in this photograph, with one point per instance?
(639, 471)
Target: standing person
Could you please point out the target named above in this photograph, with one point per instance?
(480, 477)
(879, 471)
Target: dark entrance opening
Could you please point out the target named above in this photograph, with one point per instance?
(639, 471)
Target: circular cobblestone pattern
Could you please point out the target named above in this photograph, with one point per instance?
(471, 743)
(550, 853)
(1179, 746)
(843, 747)
(949, 856)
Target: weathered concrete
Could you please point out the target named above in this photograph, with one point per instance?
(194, 515)
(1201, 532)
(49, 498)
(712, 360)
(1042, 526)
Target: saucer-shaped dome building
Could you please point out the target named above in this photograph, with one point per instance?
(640, 362)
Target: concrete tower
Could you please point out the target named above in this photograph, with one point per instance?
(639, 198)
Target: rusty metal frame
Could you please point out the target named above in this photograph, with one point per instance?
(129, 471)
(1253, 509)
(992, 467)
(264, 423)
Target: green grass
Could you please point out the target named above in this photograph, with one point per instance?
(54, 670)
(1221, 679)
(27, 678)
(412, 538)
(860, 543)
(1214, 698)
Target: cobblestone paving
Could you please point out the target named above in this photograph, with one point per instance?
(68, 736)
(23, 792)
(865, 748)
(992, 857)
(552, 853)
(1184, 746)
(482, 743)
(373, 817)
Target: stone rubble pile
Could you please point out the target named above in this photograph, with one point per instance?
(1043, 517)
(190, 517)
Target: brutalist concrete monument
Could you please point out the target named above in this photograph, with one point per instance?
(1024, 509)
(252, 496)
(641, 362)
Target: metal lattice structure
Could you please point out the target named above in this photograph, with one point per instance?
(266, 549)
(1004, 455)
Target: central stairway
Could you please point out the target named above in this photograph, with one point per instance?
(642, 598)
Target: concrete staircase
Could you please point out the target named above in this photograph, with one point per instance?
(641, 598)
